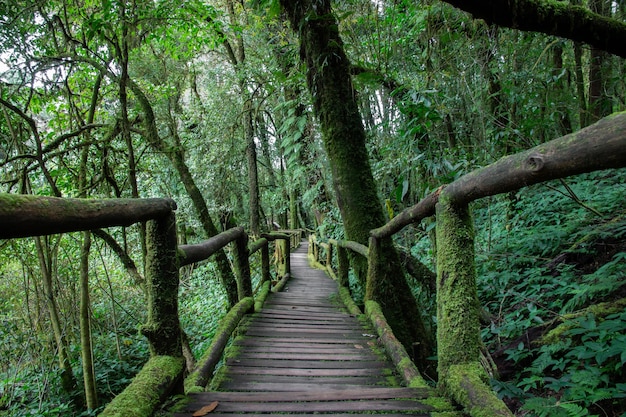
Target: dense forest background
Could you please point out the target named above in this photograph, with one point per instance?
(206, 102)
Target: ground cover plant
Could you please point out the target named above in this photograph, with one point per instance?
(552, 278)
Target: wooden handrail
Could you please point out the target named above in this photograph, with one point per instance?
(596, 147)
(23, 215)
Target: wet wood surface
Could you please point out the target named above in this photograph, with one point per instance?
(305, 355)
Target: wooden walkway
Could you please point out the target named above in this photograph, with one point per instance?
(304, 355)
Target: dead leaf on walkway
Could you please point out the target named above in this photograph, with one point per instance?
(206, 409)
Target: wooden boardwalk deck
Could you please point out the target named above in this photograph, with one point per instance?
(304, 355)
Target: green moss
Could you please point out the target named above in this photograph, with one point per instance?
(159, 377)
(391, 380)
(598, 310)
(347, 300)
(458, 327)
(438, 403)
(467, 385)
(262, 296)
(219, 378)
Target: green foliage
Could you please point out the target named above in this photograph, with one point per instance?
(541, 257)
(202, 304)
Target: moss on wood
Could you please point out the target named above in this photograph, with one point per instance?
(161, 376)
(347, 300)
(394, 348)
(599, 310)
(206, 365)
(458, 327)
(261, 296)
(467, 384)
(163, 326)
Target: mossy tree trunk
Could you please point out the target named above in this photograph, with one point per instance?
(237, 58)
(328, 79)
(162, 329)
(461, 375)
(599, 73)
(553, 18)
(68, 380)
(89, 379)
(458, 327)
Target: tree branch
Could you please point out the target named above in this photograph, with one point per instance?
(553, 18)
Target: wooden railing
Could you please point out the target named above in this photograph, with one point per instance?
(460, 374)
(162, 375)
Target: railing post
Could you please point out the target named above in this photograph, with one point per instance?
(343, 266)
(373, 270)
(244, 281)
(287, 257)
(265, 262)
(461, 375)
(163, 327)
(329, 256)
(458, 328)
(316, 249)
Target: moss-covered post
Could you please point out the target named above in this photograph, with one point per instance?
(287, 257)
(373, 269)
(265, 262)
(244, 282)
(461, 375)
(163, 327)
(316, 250)
(342, 266)
(329, 256)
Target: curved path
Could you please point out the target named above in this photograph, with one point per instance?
(304, 355)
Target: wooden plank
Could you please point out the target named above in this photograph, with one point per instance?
(315, 340)
(310, 321)
(369, 414)
(301, 315)
(304, 349)
(282, 326)
(317, 407)
(363, 342)
(317, 372)
(362, 356)
(374, 393)
(305, 385)
(322, 332)
(312, 364)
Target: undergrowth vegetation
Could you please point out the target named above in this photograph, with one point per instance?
(551, 265)
(30, 377)
(551, 270)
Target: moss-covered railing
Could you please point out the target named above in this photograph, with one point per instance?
(27, 216)
(460, 374)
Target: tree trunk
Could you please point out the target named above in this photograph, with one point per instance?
(89, 379)
(86, 347)
(68, 380)
(580, 85)
(599, 103)
(328, 79)
(237, 59)
(251, 158)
